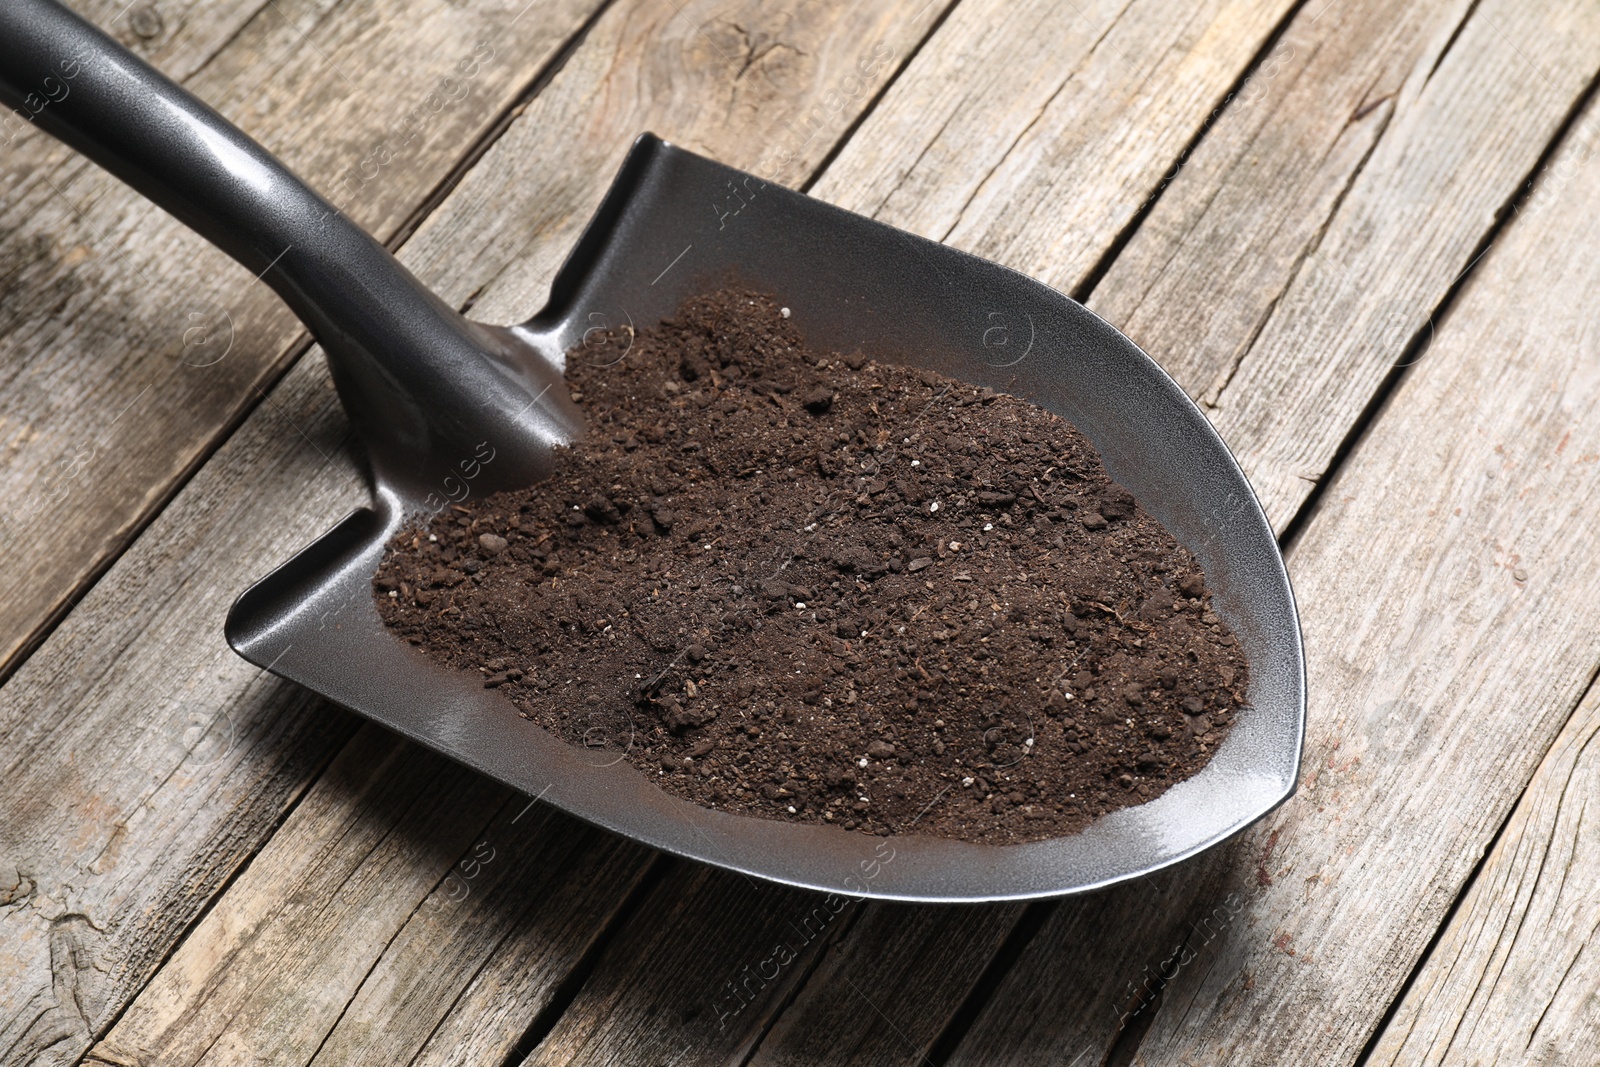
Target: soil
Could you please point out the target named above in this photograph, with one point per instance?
(811, 587)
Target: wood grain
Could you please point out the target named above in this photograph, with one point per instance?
(1029, 133)
(399, 819)
(1308, 242)
(708, 959)
(1513, 979)
(322, 909)
(1096, 972)
(127, 344)
(1251, 200)
(127, 804)
(879, 991)
(144, 762)
(767, 88)
(1445, 585)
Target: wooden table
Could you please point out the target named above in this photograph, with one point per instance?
(1362, 235)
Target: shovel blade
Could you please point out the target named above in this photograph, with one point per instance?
(674, 225)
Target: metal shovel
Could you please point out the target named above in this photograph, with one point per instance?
(436, 399)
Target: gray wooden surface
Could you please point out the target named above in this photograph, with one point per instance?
(1362, 235)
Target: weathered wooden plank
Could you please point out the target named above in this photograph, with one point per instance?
(1107, 957)
(1513, 979)
(528, 942)
(1291, 310)
(1446, 583)
(130, 753)
(881, 991)
(876, 996)
(400, 819)
(1251, 201)
(143, 761)
(1028, 133)
(127, 344)
(680, 987)
(86, 778)
(768, 88)
(328, 906)
(179, 36)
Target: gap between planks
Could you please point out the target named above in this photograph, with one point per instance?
(1508, 928)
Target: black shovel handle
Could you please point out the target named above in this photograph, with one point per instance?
(421, 383)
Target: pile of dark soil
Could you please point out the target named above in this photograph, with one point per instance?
(806, 586)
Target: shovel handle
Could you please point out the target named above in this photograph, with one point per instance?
(420, 382)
